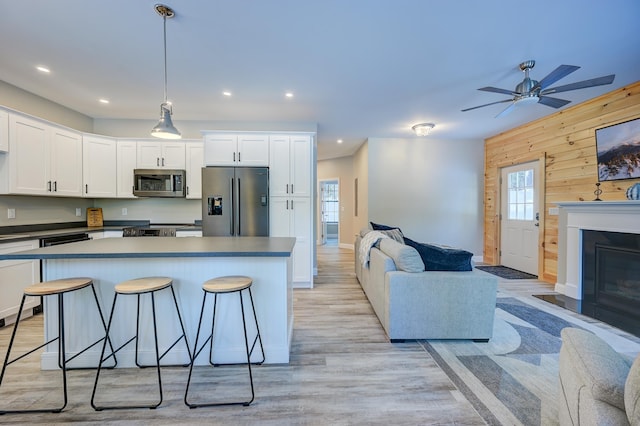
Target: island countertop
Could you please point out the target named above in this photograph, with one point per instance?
(155, 247)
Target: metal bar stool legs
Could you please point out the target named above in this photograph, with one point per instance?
(218, 286)
(53, 288)
(139, 287)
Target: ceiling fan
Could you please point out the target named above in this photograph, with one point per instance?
(530, 91)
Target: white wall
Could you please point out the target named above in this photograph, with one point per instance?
(431, 189)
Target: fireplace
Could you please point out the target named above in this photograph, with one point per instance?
(611, 278)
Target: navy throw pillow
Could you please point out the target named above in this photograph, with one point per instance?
(438, 258)
(379, 227)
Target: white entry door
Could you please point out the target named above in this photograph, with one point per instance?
(520, 217)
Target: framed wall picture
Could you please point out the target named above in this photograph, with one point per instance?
(618, 151)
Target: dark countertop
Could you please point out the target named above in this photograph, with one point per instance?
(169, 247)
(35, 232)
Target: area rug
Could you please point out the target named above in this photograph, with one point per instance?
(507, 273)
(513, 379)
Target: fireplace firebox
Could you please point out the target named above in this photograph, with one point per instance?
(611, 278)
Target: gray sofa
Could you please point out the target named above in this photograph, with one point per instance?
(427, 304)
(598, 386)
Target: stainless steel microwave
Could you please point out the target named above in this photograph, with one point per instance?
(159, 183)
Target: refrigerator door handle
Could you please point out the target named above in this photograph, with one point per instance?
(239, 215)
(233, 202)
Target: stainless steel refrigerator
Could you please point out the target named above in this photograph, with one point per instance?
(235, 201)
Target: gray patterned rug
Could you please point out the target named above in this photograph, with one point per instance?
(513, 379)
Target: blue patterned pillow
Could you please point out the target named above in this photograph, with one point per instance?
(438, 258)
(379, 227)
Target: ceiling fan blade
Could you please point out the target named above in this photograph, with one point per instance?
(552, 102)
(492, 103)
(599, 81)
(555, 75)
(507, 110)
(498, 90)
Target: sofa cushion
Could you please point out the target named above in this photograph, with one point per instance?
(602, 370)
(632, 393)
(405, 257)
(439, 258)
(380, 227)
(394, 234)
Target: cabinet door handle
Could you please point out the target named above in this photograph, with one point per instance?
(49, 186)
(187, 190)
(292, 189)
(291, 204)
(86, 188)
(55, 186)
(234, 157)
(287, 188)
(239, 157)
(287, 204)
(162, 161)
(157, 161)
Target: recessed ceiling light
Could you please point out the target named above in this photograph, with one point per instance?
(289, 95)
(43, 69)
(104, 101)
(226, 93)
(339, 140)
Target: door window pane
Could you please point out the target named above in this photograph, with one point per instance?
(520, 195)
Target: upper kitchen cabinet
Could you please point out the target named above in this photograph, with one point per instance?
(194, 154)
(290, 165)
(161, 155)
(43, 159)
(99, 167)
(236, 149)
(126, 153)
(4, 131)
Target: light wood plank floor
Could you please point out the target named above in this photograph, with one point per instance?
(343, 370)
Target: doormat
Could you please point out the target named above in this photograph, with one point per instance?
(507, 273)
(513, 378)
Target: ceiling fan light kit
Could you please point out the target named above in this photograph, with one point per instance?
(165, 128)
(423, 129)
(531, 91)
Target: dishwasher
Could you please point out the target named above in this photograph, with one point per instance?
(55, 241)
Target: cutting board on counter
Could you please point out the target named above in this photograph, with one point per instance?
(94, 216)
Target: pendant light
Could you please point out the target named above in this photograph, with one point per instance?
(165, 129)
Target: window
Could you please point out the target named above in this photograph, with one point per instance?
(520, 195)
(331, 202)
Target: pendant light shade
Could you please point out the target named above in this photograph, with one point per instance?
(165, 128)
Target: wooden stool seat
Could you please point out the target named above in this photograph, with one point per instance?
(143, 285)
(227, 284)
(57, 286)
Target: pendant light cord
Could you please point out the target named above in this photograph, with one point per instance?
(164, 19)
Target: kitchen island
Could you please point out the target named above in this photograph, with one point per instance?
(189, 261)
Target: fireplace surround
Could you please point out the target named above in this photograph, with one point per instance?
(575, 221)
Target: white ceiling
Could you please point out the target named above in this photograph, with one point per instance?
(357, 68)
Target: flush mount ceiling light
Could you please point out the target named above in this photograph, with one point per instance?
(423, 129)
(165, 129)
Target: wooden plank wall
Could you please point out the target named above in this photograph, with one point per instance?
(565, 143)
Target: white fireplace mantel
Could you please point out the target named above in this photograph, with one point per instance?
(612, 216)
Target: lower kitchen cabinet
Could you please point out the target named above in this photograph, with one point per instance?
(15, 275)
(291, 217)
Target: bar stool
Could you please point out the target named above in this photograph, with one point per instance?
(139, 287)
(220, 286)
(54, 288)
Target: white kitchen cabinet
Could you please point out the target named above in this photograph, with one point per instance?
(160, 155)
(99, 166)
(291, 217)
(194, 154)
(126, 154)
(43, 159)
(236, 149)
(15, 275)
(66, 163)
(290, 165)
(4, 131)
